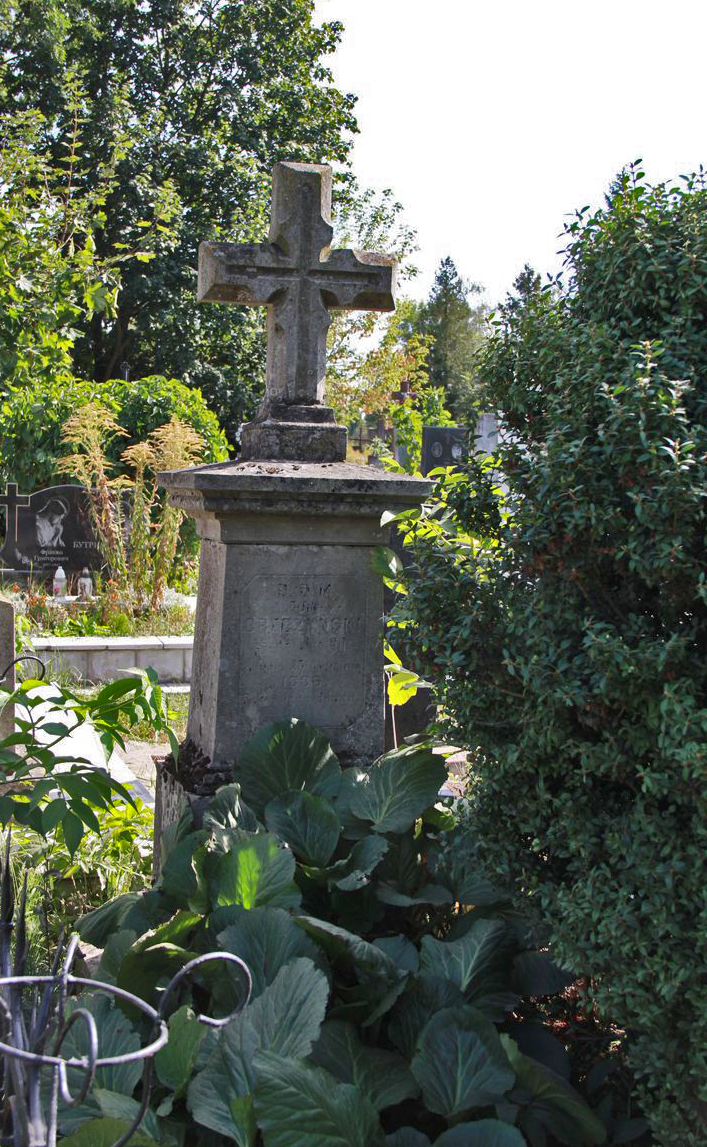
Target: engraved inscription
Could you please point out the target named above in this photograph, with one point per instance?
(303, 646)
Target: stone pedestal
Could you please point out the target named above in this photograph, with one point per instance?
(288, 620)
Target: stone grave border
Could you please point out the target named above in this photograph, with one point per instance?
(102, 659)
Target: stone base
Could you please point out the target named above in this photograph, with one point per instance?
(289, 433)
(174, 795)
(289, 611)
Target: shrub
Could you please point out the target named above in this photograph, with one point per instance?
(567, 642)
(32, 421)
(387, 971)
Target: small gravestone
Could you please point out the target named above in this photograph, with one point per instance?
(49, 528)
(7, 669)
(443, 446)
(486, 434)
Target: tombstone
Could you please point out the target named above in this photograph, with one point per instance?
(7, 656)
(288, 619)
(486, 434)
(443, 446)
(49, 528)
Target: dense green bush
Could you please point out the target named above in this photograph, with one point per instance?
(387, 970)
(32, 420)
(568, 642)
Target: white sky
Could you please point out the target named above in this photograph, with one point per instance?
(492, 122)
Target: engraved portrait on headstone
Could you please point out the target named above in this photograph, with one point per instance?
(47, 529)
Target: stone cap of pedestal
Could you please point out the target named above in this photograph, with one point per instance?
(294, 492)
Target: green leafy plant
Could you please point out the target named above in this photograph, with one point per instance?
(387, 969)
(44, 782)
(63, 885)
(565, 642)
(141, 562)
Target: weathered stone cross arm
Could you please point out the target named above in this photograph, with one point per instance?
(297, 276)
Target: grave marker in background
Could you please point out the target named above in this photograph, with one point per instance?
(443, 446)
(49, 528)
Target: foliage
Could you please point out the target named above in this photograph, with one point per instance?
(200, 99)
(50, 274)
(102, 616)
(32, 422)
(64, 885)
(45, 783)
(139, 550)
(456, 330)
(424, 407)
(383, 961)
(371, 355)
(566, 637)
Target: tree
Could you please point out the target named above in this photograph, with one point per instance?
(193, 103)
(457, 331)
(569, 641)
(51, 283)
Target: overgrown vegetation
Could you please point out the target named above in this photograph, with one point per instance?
(565, 626)
(46, 782)
(139, 543)
(388, 971)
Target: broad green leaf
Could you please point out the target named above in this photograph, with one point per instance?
(461, 872)
(426, 894)
(175, 1062)
(145, 970)
(382, 1076)
(422, 999)
(283, 756)
(398, 788)
(113, 954)
(338, 943)
(116, 1106)
(407, 1137)
(266, 939)
(134, 910)
(116, 1036)
(551, 1101)
(355, 870)
(478, 962)
(536, 974)
(285, 1019)
(226, 813)
(257, 871)
(105, 1133)
(539, 1044)
(460, 1063)
(352, 827)
(302, 1106)
(180, 878)
(400, 950)
(483, 1133)
(307, 824)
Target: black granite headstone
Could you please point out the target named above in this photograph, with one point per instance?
(443, 446)
(50, 528)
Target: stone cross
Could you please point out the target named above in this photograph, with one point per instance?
(299, 279)
(11, 500)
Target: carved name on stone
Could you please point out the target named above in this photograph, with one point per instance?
(307, 622)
